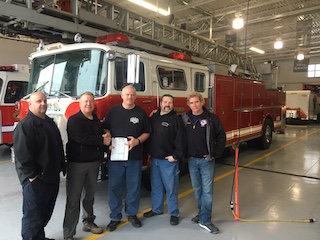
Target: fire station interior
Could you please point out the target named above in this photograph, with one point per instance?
(269, 193)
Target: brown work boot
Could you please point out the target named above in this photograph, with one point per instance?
(91, 227)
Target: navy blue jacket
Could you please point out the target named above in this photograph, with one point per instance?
(34, 150)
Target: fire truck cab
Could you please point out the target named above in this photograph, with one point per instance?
(13, 86)
(64, 71)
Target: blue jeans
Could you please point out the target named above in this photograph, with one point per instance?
(120, 172)
(202, 175)
(164, 178)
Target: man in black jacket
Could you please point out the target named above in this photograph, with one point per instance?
(84, 151)
(206, 130)
(39, 159)
(166, 146)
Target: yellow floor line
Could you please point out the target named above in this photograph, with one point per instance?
(5, 161)
(183, 194)
(296, 126)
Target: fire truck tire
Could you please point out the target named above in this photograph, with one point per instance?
(265, 140)
(146, 179)
(252, 143)
(288, 121)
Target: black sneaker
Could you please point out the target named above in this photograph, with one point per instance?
(174, 220)
(135, 221)
(91, 227)
(209, 227)
(195, 219)
(151, 214)
(113, 225)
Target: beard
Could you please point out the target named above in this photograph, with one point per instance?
(166, 109)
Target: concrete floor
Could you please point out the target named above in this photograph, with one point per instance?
(282, 182)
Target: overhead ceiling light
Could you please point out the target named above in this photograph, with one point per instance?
(278, 44)
(300, 56)
(257, 50)
(237, 22)
(150, 7)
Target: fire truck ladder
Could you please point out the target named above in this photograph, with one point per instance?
(47, 20)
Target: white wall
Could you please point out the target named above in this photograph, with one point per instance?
(12, 51)
(290, 80)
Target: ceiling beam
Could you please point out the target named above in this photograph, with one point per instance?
(193, 4)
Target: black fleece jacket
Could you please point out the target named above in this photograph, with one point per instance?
(85, 141)
(168, 136)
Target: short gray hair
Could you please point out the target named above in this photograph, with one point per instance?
(87, 93)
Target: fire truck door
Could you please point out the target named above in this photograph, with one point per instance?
(1, 139)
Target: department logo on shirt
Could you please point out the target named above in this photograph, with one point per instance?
(134, 120)
(203, 122)
(165, 124)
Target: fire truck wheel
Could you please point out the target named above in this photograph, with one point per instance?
(266, 138)
(288, 121)
(252, 143)
(146, 179)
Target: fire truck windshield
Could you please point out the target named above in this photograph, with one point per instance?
(69, 74)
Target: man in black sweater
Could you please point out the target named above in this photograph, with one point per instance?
(84, 151)
(166, 146)
(39, 159)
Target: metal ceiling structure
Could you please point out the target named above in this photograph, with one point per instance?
(197, 27)
(295, 22)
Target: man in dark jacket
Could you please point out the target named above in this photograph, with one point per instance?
(166, 147)
(206, 130)
(84, 151)
(39, 159)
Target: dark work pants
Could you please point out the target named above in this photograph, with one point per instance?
(81, 185)
(39, 199)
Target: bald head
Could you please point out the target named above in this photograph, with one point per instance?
(128, 96)
(128, 88)
(38, 104)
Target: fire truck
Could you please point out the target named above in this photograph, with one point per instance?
(13, 86)
(63, 71)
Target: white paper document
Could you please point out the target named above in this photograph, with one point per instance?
(120, 151)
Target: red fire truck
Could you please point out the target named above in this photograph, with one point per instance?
(13, 86)
(63, 72)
